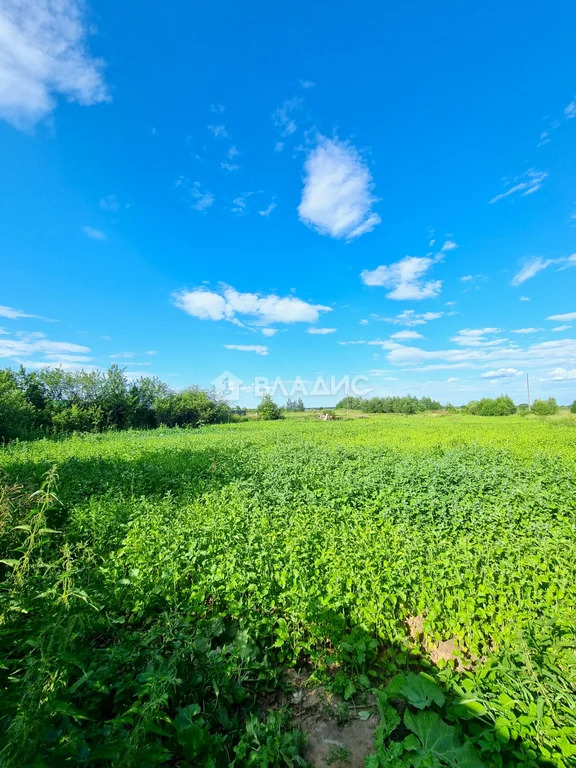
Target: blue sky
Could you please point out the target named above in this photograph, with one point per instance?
(292, 190)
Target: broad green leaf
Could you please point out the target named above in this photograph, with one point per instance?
(420, 690)
(439, 740)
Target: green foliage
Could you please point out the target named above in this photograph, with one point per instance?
(155, 590)
(58, 401)
(407, 404)
(294, 405)
(268, 410)
(16, 412)
(545, 407)
(498, 406)
(192, 407)
(573, 407)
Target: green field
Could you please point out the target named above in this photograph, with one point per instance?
(158, 591)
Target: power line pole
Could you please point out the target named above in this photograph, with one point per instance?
(528, 388)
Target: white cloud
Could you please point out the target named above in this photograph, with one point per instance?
(198, 197)
(561, 328)
(259, 350)
(260, 310)
(530, 269)
(527, 330)
(33, 343)
(524, 298)
(404, 335)
(405, 278)
(560, 374)
(269, 331)
(217, 109)
(570, 111)
(15, 314)
(563, 318)
(284, 117)
(267, 211)
(501, 373)
(151, 352)
(523, 185)
(218, 131)
(322, 331)
(449, 245)
(229, 167)
(94, 234)
(118, 355)
(411, 318)
(337, 195)
(232, 153)
(475, 337)
(561, 351)
(43, 55)
(452, 380)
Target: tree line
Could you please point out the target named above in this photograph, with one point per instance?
(407, 404)
(54, 401)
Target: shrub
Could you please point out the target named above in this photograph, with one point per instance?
(497, 406)
(268, 410)
(573, 407)
(545, 407)
(16, 413)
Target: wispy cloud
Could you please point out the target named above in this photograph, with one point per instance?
(33, 343)
(527, 330)
(44, 55)
(195, 194)
(218, 131)
(322, 331)
(229, 167)
(284, 117)
(411, 318)
(254, 308)
(15, 314)
(501, 374)
(268, 210)
(256, 348)
(110, 203)
(217, 109)
(526, 184)
(269, 331)
(532, 267)
(337, 196)
(94, 234)
(570, 111)
(476, 337)
(560, 374)
(405, 335)
(404, 277)
(563, 318)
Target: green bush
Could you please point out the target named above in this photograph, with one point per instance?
(498, 406)
(573, 407)
(545, 407)
(268, 410)
(16, 413)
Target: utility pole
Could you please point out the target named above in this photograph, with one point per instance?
(528, 388)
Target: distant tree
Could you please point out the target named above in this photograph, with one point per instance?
(545, 407)
(268, 410)
(294, 405)
(351, 403)
(191, 407)
(497, 406)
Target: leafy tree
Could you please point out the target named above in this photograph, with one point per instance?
(545, 407)
(351, 403)
(268, 410)
(497, 406)
(573, 407)
(16, 413)
(192, 407)
(294, 405)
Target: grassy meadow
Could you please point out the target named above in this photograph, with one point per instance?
(159, 589)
